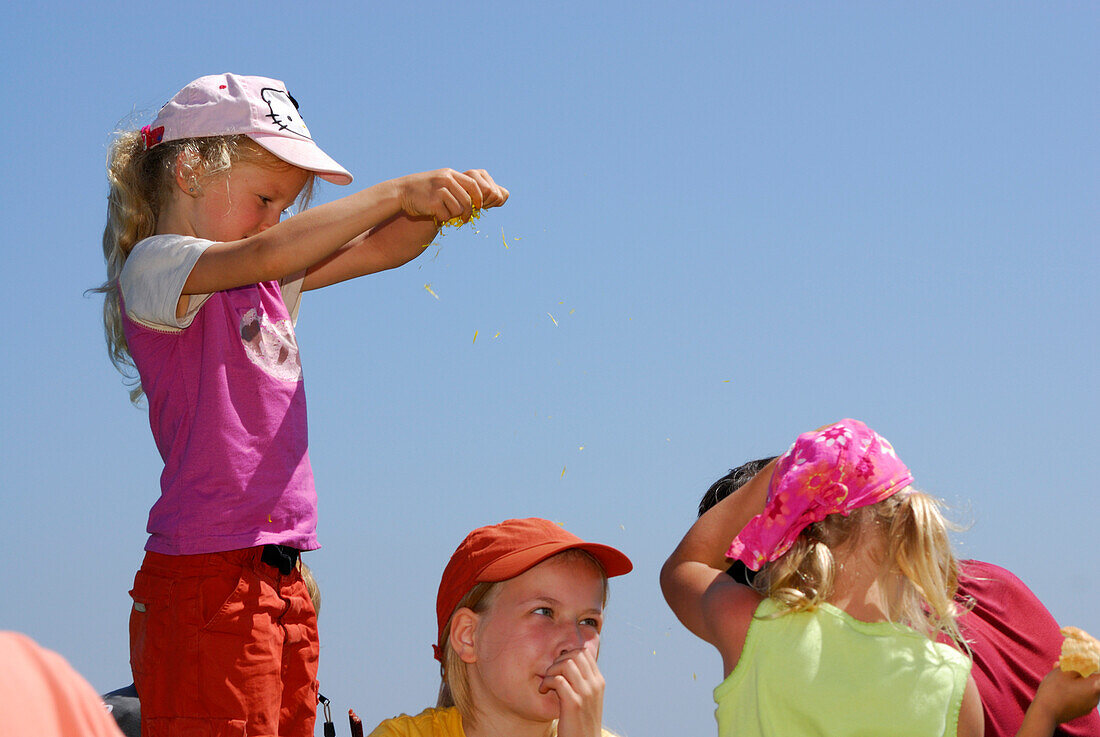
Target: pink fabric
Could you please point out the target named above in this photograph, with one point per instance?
(228, 412)
(842, 467)
(1015, 642)
(258, 107)
(42, 696)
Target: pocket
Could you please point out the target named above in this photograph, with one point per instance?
(222, 602)
(148, 617)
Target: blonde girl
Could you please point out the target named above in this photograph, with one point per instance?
(204, 282)
(857, 581)
(519, 610)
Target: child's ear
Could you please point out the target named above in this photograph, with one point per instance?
(187, 175)
(464, 634)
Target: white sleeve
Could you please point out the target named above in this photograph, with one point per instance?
(153, 277)
(291, 288)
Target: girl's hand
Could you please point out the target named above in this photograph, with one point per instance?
(578, 684)
(445, 193)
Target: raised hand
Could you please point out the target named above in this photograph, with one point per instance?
(576, 680)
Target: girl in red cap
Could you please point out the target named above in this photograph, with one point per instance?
(857, 580)
(519, 608)
(204, 279)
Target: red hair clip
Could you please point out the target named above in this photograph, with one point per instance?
(151, 136)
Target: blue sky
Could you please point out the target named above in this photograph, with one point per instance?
(746, 220)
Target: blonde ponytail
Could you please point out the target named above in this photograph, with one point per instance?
(913, 529)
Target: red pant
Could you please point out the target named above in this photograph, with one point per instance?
(223, 644)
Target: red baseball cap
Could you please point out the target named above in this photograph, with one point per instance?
(503, 551)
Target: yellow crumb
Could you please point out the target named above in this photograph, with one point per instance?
(428, 286)
(459, 222)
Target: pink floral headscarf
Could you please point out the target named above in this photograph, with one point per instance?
(842, 467)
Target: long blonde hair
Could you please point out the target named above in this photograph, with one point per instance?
(454, 688)
(913, 542)
(141, 181)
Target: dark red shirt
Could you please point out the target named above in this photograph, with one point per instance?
(1015, 642)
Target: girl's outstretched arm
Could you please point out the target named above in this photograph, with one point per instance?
(309, 238)
(398, 240)
(709, 603)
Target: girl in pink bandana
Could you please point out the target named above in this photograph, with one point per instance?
(857, 579)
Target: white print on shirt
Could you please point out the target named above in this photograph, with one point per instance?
(284, 111)
(271, 346)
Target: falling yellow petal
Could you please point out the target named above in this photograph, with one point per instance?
(654, 652)
(725, 381)
(622, 527)
(563, 471)
(428, 286)
(497, 335)
(693, 676)
(269, 518)
(552, 318)
(505, 240)
(475, 336)
(572, 310)
(581, 448)
(562, 302)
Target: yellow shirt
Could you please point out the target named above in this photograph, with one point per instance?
(429, 723)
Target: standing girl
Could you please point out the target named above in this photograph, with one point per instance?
(203, 287)
(520, 609)
(856, 581)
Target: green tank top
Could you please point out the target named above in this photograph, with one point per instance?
(827, 673)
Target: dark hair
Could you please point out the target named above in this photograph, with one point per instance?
(723, 487)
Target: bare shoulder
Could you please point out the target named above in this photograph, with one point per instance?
(729, 608)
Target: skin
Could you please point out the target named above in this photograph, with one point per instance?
(378, 228)
(531, 655)
(719, 610)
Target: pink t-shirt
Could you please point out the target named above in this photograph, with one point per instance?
(226, 405)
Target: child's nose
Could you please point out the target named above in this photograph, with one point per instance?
(572, 639)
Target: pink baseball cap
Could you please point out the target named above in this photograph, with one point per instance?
(257, 107)
(833, 470)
